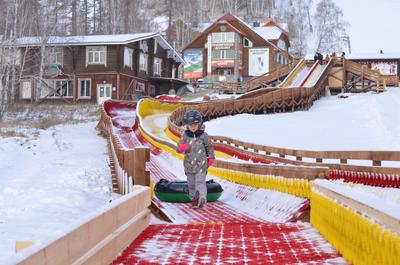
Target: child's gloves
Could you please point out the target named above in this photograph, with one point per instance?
(210, 161)
(183, 147)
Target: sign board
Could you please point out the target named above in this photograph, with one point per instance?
(258, 61)
(223, 63)
(385, 68)
(193, 63)
(53, 71)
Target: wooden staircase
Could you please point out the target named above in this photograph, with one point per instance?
(259, 81)
(364, 78)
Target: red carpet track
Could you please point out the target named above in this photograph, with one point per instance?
(229, 244)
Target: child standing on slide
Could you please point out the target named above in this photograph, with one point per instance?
(199, 156)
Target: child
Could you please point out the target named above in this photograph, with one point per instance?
(199, 155)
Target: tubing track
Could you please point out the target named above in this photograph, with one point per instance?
(220, 233)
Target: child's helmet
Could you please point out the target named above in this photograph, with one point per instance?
(192, 116)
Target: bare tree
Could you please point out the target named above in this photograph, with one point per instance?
(330, 26)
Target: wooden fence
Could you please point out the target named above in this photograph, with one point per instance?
(99, 238)
(130, 164)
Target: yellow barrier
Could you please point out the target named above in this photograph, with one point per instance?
(357, 238)
(148, 107)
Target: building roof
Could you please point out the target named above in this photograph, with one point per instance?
(269, 33)
(118, 39)
(373, 56)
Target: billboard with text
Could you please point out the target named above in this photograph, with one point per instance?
(193, 63)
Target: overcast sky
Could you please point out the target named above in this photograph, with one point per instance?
(374, 24)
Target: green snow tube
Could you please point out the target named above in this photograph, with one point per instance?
(177, 191)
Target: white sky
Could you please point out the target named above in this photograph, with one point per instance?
(374, 24)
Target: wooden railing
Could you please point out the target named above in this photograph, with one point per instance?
(362, 70)
(264, 80)
(99, 238)
(130, 164)
(280, 100)
(259, 81)
(316, 158)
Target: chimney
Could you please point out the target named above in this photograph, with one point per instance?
(256, 24)
(381, 52)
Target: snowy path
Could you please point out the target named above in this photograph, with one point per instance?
(47, 183)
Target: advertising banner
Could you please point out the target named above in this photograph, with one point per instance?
(385, 68)
(193, 64)
(258, 61)
(223, 63)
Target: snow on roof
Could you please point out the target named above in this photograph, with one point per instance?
(118, 39)
(88, 39)
(268, 33)
(366, 56)
(252, 28)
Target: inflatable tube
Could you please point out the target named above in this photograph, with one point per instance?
(177, 191)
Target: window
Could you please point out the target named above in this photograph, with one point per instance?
(84, 88)
(143, 45)
(157, 66)
(128, 57)
(139, 87)
(221, 37)
(223, 54)
(26, 89)
(54, 55)
(282, 45)
(247, 43)
(57, 88)
(143, 61)
(96, 55)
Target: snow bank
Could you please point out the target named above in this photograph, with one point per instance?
(49, 182)
(360, 122)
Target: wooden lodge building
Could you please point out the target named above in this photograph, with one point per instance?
(97, 67)
(231, 49)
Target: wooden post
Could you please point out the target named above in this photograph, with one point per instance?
(141, 176)
(362, 76)
(343, 161)
(118, 86)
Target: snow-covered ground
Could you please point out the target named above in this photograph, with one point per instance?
(359, 122)
(48, 179)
